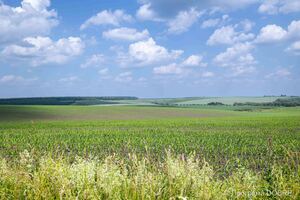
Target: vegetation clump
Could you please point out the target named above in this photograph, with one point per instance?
(287, 102)
(215, 104)
(136, 178)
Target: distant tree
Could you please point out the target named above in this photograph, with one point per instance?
(215, 104)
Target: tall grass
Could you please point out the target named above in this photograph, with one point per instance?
(176, 177)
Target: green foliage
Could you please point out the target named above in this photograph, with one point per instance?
(64, 100)
(286, 102)
(215, 104)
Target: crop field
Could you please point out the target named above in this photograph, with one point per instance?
(144, 152)
(229, 100)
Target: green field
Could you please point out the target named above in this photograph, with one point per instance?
(230, 100)
(142, 152)
(106, 101)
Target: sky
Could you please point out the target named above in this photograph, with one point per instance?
(149, 48)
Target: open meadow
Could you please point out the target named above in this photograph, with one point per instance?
(144, 152)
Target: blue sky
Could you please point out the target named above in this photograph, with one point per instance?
(149, 48)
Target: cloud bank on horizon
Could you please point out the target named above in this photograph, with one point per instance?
(149, 48)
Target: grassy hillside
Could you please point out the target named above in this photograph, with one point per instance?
(133, 100)
(231, 100)
(64, 100)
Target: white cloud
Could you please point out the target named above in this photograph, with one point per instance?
(228, 35)
(271, 33)
(127, 34)
(238, 58)
(169, 8)
(215, 22)
(142, 79)
(69, 79)
(294, 48)
(294, 30)
(124, 77)
(148, 52)
(247, 25)
(37, 4)
(274, 33)
(95, 60)
(273, 7)
(146, 13)
(210, 23)
(183, 21)
(280, 73)
(194, 61)
(30, 19)
(14, 79)
(42, 50)
(242, 70)
(182, 68)
(232, 4)
(168, 70)
(207, 74)
(107, 17)
(11, 78)
(238, 54)
(103, 72)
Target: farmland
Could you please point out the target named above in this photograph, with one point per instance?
(142, 152)
(230, 100)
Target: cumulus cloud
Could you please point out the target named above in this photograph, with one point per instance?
(183, 21)
(43, 50)
(95, 60)
(31, 18)
(107, 17)
(194, 61)
(280, 73)
(215, 22)
(15, 79)
(182, 68)
(11, 78)
(238, 58)
(271, 33)
(238, 54)
(103, 72)
(210, 23)
(228, 35)
(294, 30)
(168, 69)
(145, 13)
(124, 77)
(168, 9)
(69, 79)
(294, 48)
(126, 34)
(207, 74)
(274, 33)
(273, 7)
(246, 25)
(147, 52)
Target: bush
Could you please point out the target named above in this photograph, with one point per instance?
(215, 104)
